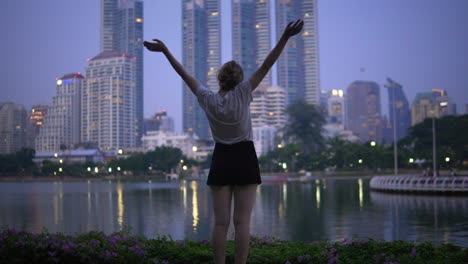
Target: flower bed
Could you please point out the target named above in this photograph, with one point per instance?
(97, 247)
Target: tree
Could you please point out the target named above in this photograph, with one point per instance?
(24, 158)
(451, 140)
(165, 158)
(305, 127)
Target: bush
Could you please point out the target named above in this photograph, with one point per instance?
(121, 247)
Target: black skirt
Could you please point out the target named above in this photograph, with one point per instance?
(235, 164)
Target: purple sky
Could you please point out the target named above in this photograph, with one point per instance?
(422, 44)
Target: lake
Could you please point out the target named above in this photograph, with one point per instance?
(325, 209)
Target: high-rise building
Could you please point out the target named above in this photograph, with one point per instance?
(269, 107)
(160, 121)
(364, 115)
(36, 121)
(108, 101)
(201, 57)
(264, 138)
(61, 128)
(122, 31)
(251, 35)
(336, 108)
(13, 127)
(298, 67)
(398, 105)
(431, 104)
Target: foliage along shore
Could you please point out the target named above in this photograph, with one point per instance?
(122, 247)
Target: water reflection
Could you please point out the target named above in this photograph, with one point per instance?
(331, 209)
(120, 205)
(425, 218)
(317, 193)
(361, 193)
(194, 186)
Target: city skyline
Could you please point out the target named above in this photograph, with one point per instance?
(422, 43)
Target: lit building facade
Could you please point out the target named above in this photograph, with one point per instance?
(184, 142)
(364, 114)
(251, 35)
(108, 102)
(36, 121)
(122, 31)
(298, 65)
(201, 57)
(61, 128)
(431, 104)
(336, 108)
(269, 107)
(13, 127)
(335, 114)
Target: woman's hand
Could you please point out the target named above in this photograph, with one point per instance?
(156, 46)
(293, 28)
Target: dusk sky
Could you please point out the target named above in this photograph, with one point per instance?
(422, 44)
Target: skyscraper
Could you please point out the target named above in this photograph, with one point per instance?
(431, 104)
(122, 31)
(61, 128)
(201, 57)
(13, 127)
(298, 68)
(364, 116)
(251, 35)
(108, 101)
(398, 105)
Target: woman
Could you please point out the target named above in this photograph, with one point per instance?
(234, 172)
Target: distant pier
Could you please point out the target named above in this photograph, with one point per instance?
(424, 184)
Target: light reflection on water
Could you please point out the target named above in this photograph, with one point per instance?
(318, 210)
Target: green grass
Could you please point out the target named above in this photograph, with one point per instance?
(97, 247)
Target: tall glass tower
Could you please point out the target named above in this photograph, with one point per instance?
(398, 109)
(251, 35)
(122, 31)
(298, 65)
(201, 57)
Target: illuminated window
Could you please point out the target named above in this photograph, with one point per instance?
(138, 20)
(214, 13)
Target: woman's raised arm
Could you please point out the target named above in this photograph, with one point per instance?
(159, 46)
(292, 29)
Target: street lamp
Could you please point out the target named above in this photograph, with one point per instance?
(395, 150)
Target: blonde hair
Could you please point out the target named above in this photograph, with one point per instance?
(230, 75)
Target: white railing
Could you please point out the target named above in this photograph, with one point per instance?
(411, 183)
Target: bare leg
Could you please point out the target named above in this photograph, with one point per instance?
(244, 200)
(221, 196)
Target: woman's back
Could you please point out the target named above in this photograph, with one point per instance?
(228, 114)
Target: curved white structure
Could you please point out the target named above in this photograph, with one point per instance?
(411, 183)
